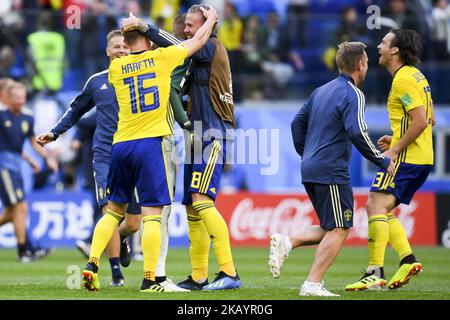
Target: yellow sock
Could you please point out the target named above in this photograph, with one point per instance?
(151, 244)
(199, 245)
(397, 237)
(149, 275)
(103, 233)
(378, 239)
(218, 232)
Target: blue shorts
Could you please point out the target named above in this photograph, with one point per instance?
(333, 204)
(202, 174)
(101, 169)
(407, 180)
(139, 164)
(11, 187)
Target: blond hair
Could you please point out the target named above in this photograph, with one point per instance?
(348, 55)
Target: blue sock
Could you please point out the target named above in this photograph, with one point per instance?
(115, 267)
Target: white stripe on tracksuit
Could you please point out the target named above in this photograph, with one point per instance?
(169, 37)
(361, 121)
(336, 201)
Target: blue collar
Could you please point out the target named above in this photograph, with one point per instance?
(347, 76)
(138, 52)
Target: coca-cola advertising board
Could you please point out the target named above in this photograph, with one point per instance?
(252, 218)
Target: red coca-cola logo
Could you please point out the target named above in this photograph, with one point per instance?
(252, 218)
(289, 216)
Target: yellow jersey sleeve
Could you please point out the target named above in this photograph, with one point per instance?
(174, 55)
(407, 91)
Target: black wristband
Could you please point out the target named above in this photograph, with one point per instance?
(55, 135)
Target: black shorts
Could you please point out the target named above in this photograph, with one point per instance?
(333, 204)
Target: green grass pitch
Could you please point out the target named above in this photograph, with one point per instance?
(49, 278)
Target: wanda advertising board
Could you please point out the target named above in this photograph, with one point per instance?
(252, 218)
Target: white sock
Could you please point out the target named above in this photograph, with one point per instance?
(288, 244)
(161, 266)
(310, 284)
(372, 268)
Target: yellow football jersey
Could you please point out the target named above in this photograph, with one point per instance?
(142, 84)
(410, 89)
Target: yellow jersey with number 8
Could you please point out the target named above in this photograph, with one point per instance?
(142, 84)
(410, 89)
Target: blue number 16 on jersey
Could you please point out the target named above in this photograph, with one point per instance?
(142, 93)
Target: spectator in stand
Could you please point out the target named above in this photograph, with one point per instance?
(441, 17)
(297, 19)
(405, 14)
(46, 50)
(6, 60)
(72, 34)
(276, 58)
(262, 8)
(166, 9)
(441, 49)
(96, 24)
(230, 33)
(251, 41)
(11, 23)
(349, 30)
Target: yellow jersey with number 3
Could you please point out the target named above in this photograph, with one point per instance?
(142, 84)
(410, 89)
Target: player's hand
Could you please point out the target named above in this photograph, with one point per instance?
(384, 142)
(391, 168)
(391, 154)
(133, 23)
(210, 13)
(45, 138)
(52, 164)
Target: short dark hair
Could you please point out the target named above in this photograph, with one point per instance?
(131, 37)
(179, 22)
(112, 34)
(180, 18)
(348, 55)
(409, 43)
